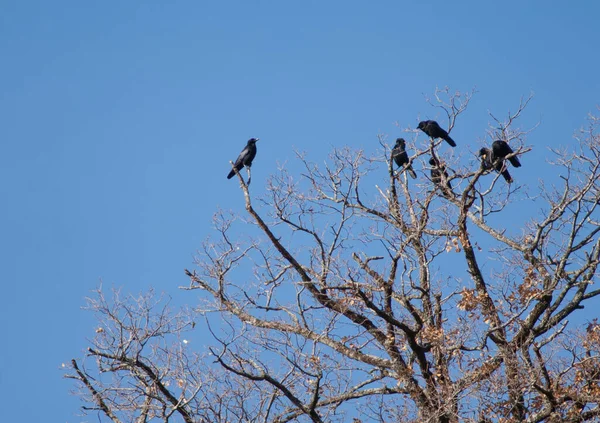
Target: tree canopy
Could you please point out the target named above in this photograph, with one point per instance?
(350, 292)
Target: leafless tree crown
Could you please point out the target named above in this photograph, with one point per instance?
(349, 292)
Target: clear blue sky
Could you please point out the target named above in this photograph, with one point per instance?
(118, 119)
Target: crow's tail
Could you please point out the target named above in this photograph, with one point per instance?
(515, 161)
(411, 172)
(450, 140)
(507, 176)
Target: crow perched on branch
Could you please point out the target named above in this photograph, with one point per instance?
(431, 128)
(245, 158)
(494, 158)
(501, 149)
(437, 170)
(401, 158)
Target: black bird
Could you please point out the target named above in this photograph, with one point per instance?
(495, 158)
(245, 158)
(488, 163)
(431, 128)
(437, 170)
(501, 149)
(401, 158)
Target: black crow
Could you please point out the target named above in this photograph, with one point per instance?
(401, 158)
(437, 170)
(245, 158)
(431, 128)
(488, 163)
(500, 149)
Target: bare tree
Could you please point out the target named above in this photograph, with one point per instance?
(350, 295)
